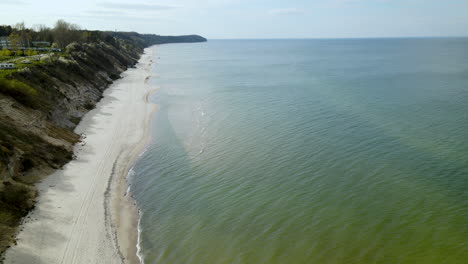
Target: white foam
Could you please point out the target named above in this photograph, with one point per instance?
(131, 173)
(139, 253)
(144, 151)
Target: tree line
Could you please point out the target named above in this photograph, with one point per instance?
(62, 34)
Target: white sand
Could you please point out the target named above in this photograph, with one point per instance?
(82, 215)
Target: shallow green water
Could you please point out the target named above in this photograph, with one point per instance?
(307, 151)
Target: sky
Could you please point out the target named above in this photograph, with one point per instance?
(231, 19)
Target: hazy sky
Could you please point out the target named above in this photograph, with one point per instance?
(251, 18)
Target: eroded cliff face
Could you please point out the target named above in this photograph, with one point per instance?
(37, 137)
(40, 106)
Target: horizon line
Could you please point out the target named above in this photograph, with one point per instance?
(332, 38)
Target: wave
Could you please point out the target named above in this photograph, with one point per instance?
(138, 246)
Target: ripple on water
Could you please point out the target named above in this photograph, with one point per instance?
(337, 161)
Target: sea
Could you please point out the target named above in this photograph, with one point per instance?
(327, 151)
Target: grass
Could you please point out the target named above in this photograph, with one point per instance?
(19, 66)
(5, 73)
(25, 57)
(22, 92)
(7, 58)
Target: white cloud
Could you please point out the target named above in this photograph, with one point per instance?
(286, 11)
(13, 2)
(105, 12)
(341, 3)
(135, 6)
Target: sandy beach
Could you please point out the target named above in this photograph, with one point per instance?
(83, 214)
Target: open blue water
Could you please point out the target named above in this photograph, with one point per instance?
(307, 151)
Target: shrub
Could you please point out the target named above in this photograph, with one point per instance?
(28, 52)
(19, 196)
(46, 58)
(5, 52)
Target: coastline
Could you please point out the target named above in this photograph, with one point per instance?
(82, 213)
(121, 203)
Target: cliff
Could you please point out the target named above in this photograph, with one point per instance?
(42, 103)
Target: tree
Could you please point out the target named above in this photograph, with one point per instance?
(43, 33)
(23, 33)
(15, 40)
(5, 30)
(19, 26)
(66, 33)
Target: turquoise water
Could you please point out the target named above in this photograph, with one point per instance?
(307, 151)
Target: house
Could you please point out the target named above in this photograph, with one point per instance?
(41, 44)
(4, 43)
(7, 66)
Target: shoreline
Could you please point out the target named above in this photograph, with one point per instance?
(121, 203)
(82, 212)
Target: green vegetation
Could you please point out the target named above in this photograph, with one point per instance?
(5, 73)
(6, 53)
(15, 201)
(18, 53)
(20, 65)
(22, 92)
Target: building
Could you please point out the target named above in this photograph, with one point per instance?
(4, 43)
(41, 44)
(7, 66)
(36, 45)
